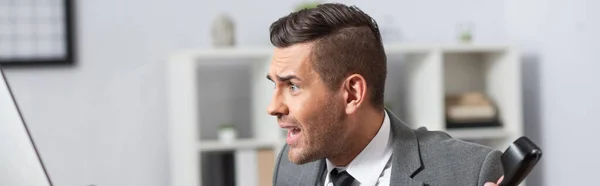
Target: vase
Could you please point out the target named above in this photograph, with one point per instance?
(227, 135)
(223, 31)
(465, 32)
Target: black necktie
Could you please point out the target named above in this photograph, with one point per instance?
(341, 178)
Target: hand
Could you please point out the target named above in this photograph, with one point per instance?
(494, 184)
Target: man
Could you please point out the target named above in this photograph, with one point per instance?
(329, 70)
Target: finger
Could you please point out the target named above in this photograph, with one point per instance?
(500, 180)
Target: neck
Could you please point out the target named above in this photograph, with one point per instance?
(361, 131)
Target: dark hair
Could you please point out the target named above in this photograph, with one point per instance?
(346, 41)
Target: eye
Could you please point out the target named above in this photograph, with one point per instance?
(293, 88)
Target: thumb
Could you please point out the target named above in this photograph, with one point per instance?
(489, 184)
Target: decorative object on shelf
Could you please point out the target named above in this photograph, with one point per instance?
(472, 109)
(307, 5)
(37, 32)
(465, 32)
(227, 133)
(223, 31)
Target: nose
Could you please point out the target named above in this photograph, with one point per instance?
(277, 106)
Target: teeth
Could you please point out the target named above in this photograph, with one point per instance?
(293, 133)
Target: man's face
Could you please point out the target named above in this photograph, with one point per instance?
(312, 114)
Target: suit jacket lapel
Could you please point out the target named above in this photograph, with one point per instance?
(312, 174)
(406, 160)
(322, 167)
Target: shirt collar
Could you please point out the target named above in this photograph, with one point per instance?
(370, 162)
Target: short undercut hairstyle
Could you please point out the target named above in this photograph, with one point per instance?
(345, 41)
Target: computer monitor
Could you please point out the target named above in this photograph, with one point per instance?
(20, 163)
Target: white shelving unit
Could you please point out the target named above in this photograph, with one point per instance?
(246, 144)
(209, 87)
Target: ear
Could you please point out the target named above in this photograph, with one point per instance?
(355, 92)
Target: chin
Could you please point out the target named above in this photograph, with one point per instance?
(298, 155)
(294, 154)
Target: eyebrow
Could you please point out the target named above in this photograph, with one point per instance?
(285, 78)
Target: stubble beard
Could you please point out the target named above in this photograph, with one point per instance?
(325, 136)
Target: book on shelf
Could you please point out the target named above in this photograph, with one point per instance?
(472, 109)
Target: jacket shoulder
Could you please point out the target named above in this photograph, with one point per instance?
(451, 160)
(440, 139)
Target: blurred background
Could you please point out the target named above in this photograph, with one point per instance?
(104, 119)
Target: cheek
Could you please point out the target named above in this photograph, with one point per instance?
(306, 114)
(311, 107)
(307, 110)
(317, 112)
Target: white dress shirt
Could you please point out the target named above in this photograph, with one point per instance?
(372, 166)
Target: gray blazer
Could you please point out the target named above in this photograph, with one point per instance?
(420, 158)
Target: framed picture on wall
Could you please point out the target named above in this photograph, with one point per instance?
(37, 32)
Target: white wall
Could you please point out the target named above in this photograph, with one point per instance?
(103, 121)
(561, 65)
(571, 99)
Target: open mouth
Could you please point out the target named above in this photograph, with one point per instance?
(293, 135)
